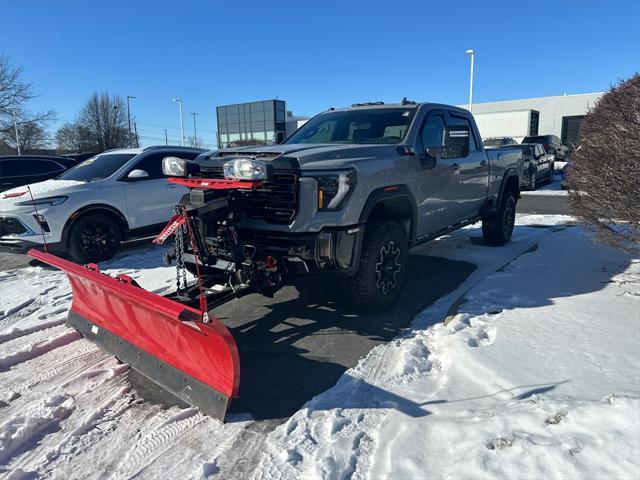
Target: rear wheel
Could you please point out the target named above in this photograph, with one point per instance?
(497, 228)
(381, 269)
(94, 237)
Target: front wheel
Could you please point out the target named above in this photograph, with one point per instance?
(94, 238)
(382, 267)
(497, 228)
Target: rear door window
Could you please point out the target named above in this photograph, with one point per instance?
(458, 120)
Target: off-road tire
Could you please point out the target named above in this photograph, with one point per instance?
(382, 267)
(497, 228)
(94, 237)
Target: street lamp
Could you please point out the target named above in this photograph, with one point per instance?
(195, 132)
(473, 54)
(129, 118)
(179, 100)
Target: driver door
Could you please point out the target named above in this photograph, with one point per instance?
(437, 179)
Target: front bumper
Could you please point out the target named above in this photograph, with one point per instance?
(334, 249)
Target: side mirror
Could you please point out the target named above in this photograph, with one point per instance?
(137, 174)
(456, 141)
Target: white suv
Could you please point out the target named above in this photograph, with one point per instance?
(92, 207)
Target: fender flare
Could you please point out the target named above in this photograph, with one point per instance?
(95, 207)
(389, 193)
(509, 173)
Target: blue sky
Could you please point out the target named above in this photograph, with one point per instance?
(314, 54)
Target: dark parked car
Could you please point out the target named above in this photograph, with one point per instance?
(551, 144)
(497, 142)
(16, 171)
(538, 164)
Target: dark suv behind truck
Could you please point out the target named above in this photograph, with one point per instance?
(552, 145)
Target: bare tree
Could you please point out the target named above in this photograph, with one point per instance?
(74, 137)
(195, 142)
(14, 93)
(105, 117)
(603, 180)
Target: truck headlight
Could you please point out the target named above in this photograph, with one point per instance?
(245, 169)
(178, 167)
(52, 201)
(335, 189)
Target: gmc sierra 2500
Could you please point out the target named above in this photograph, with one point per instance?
(349, 192)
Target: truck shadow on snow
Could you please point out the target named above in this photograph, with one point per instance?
(299, 344)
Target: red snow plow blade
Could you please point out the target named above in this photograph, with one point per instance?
(162, 339)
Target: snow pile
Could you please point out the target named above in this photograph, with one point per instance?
(535, 375)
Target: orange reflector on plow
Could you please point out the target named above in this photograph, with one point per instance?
(162, 339)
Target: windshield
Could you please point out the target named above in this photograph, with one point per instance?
(493, 142)
(383, 125)
(97, 168)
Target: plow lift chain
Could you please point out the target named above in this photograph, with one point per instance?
(181, 269)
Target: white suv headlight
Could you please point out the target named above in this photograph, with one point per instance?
(53, 201)
(245, 169)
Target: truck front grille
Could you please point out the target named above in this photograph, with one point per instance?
(276, 200)
(11, 226)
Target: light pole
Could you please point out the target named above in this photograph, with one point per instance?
(15, 124)
(473, 54)
(129, 118)
(195, 132)
(179, 100)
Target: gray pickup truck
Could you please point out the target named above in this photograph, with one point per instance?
(350, 192)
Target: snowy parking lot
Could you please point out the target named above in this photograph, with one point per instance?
(529, 367)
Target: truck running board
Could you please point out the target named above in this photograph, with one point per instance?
(162, 339)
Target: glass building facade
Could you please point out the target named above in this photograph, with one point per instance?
(255, 123)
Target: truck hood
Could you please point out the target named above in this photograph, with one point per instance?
(48, 188)
(308, 155)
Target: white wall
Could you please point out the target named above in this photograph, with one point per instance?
(551, 109)
(503, 124)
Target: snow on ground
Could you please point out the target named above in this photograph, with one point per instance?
(535, 375)
(553, 188)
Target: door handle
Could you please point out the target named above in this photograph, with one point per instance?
(483, 163)
(455, 166)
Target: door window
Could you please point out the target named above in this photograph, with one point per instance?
(432, 134)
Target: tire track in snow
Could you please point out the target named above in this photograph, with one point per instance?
(156, 442)
(67, 360)
(101, 401)
(36, 349)
(16, 333)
